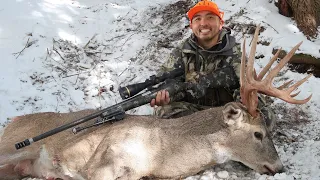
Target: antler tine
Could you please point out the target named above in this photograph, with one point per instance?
(268, 66)
(243, 94)
(283, 62)
(243, 63)
(295, 101)
(250, 69)
(297, 84)
(295, 94)
(294, 87)
(284, 85)
(248, 93)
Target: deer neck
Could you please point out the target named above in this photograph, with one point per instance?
(207, 122)
(197, 139)
(206, 128)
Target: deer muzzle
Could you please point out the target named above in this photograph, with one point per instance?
(273, 169)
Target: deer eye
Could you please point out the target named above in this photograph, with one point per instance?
(258, 135)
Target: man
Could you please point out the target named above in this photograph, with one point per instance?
(211, 59)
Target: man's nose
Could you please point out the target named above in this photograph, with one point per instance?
(203, 21)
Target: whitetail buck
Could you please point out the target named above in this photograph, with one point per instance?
(140, 146)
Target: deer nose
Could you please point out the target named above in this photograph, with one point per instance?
(279, 168)
(282, 170)
(272, 169)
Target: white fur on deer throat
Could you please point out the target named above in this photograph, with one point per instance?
(221, 154)
(44, 164)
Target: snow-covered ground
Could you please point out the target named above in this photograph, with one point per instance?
(57, 54)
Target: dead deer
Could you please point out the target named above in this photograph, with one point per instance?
(141, 146)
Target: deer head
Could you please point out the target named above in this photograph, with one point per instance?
(249, 141)
(252, 141)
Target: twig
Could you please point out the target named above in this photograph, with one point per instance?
(57, 104)
(90, 40)
(77, 79)
(58, 53)
(271, 26)
(54, 41)
(75, 74)
(263, 22)
(65, 68)
(126, 41)
(122, 72)
(22, 49)
(114, 38)
(122, 18)
(47, 54)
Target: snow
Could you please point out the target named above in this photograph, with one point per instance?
(71, 49)
(223, 174)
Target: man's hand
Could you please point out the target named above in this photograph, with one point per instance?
(161, 99)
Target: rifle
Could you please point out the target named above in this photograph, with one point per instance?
(116, 112)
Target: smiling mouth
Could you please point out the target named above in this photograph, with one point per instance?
(205, 31)
(270, 171)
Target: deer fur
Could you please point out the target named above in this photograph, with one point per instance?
(138, 146)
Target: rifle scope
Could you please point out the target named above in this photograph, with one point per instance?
(131, 90)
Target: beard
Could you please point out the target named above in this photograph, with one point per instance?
(208, 37)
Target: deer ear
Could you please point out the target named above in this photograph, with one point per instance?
(232, 114)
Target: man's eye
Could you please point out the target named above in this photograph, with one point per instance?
(197, 19)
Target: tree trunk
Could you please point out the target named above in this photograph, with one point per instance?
(284, 8)
(305, 12)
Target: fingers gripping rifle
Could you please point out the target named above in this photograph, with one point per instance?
(116, 112)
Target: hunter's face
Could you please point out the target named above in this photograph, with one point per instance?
(205, 25)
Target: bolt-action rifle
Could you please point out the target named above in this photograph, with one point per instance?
(132, 99)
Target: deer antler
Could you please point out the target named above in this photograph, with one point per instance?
(251, 83)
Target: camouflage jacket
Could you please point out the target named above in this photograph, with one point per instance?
(216, 70)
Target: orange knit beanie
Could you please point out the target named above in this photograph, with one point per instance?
(205, 5)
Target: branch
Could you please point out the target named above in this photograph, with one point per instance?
(75, 74)
(65, 68)
(90, 41)
(58, 53)
(270, 26)
(22, 49)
